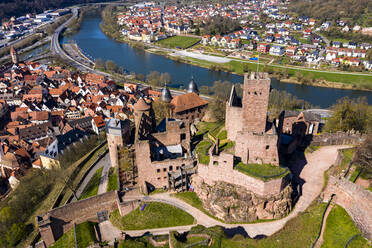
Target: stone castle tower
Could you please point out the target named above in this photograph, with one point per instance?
(118, 134)
(256, 90)
(14, 55)
(246, 121)
(144, 119)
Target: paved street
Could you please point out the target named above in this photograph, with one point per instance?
(312, 175)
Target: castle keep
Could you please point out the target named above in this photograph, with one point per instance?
(246, 122)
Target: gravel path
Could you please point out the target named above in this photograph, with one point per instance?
(312, 178)
(209, 58)
(101, 163)
(104, 177)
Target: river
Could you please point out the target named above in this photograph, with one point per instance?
(95, 43)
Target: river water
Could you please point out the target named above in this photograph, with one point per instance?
(97, 45)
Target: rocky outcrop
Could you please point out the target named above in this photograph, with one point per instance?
(233, 203)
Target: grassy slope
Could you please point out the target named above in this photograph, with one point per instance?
(112, 180)
(85, 236)
(92, 187)
(178, 41)
(298, 232)
(192, 199)
(155, 215)
(339, 229)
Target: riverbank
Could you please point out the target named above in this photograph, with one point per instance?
(292, 75)
(239, 68)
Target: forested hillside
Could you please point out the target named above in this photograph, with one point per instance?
(356, 11)
(10, 8)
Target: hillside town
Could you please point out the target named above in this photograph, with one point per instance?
(278, 35)
(141, 148)
(44, 109)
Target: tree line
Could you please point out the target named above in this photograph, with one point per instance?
(220, 25)
(358, 11)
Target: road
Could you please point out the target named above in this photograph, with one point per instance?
(312, 176)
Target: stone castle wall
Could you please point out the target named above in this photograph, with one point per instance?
(234, 203)
(62, 219)
(233, 121)
(257, 148)
(221, 168)
(339, 138)
(356, 200)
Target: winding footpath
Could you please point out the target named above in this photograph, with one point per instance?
(312, 174)
(103, 162)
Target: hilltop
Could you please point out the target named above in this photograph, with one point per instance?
(356, 11)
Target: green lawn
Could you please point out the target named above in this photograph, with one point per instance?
(178, 42)
(202, 150)
(222, 135)
(264, 172)
(85, 236)
(337, 170)
(339, 229)
(298, 232)
(192, 199)
(112, 180)
(155, 215)
(92, 187)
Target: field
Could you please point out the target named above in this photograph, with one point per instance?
(154, 215)
(182, 42)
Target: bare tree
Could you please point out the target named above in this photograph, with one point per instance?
(364, 156)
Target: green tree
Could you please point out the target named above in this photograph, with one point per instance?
(16, 233)
(350, 115)
(162, 110)
(216, 109)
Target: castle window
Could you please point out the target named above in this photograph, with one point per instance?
(170, 168)
(177, 167)
(183, 136)
(164, 169)
(158, 178)
(255, 92)
(158, 170)
(267, 147)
